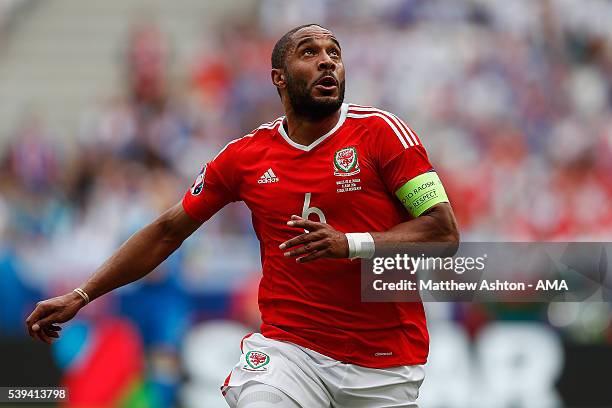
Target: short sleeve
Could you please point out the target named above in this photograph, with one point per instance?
(404, 165)
(215, 186)
(398, 151)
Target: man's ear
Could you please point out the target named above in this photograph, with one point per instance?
(278, 78)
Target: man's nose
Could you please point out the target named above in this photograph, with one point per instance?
(326, 63)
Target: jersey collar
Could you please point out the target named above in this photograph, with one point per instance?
(283, 133)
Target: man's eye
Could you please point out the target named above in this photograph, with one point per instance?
(308, 51)
(334, 52)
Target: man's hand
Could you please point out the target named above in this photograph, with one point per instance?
(42, 323)
(321, 241)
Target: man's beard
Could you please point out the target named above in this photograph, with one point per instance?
(303, 103)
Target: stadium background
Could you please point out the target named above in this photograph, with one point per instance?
(109, 109)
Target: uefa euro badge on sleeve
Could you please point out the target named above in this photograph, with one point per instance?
(346, 162)
(198, 185)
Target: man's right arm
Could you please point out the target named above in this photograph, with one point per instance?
(138, 256)
(214, 187)
(143, 251)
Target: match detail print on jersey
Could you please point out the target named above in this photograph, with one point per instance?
(421, 193)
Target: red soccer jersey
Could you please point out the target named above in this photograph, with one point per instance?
(346, 178)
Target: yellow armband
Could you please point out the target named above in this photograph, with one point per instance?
(421, 193)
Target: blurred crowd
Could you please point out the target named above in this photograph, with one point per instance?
(513, 101)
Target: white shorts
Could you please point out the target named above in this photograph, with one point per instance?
(314, 380)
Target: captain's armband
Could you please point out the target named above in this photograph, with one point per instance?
(421, 193)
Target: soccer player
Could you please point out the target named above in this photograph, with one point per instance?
(326, 184)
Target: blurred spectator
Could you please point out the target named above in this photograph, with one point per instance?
(147, 65)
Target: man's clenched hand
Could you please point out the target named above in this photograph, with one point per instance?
(321, 241)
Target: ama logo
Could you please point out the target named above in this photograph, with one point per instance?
(198, 184)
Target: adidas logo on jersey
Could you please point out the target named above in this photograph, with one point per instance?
(268, 177)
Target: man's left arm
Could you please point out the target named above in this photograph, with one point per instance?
(437, 224)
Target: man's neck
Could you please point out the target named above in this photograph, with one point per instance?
(304, 131)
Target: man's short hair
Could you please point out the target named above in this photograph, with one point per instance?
(279, 53)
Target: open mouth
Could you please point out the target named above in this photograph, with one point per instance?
(326, 83)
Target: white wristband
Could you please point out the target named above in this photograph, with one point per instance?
(361, 245)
